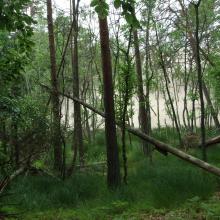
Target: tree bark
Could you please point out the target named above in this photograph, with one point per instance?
(113, 170)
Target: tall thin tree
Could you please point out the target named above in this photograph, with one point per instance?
(200, 81)
(142, 102)
(56, 128)
(78, 136)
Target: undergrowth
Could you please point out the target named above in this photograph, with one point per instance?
(166, 184)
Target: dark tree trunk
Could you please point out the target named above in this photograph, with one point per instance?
(148, 77)
(113, 174)
(56, 129)
(78, 136)
(87, 126)
(16, 155)
(3, 139)
(200, 82)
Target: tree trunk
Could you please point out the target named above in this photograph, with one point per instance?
(78, 136)
(200, 82)
(210, 105)
(15, 143)
(142, 103)
(148, 76)
(3, 138)
(56, 130)
(113, 170)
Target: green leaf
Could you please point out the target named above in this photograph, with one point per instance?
(129, 18)
(117, 4)
(94, 3)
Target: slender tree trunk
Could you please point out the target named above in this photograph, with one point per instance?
(186, 82)
(87, 126)
(113, 171)
(158, 106)
(142, 103)
(193, 43)
(56, 129)
(176, 99)
(200, 82)
(148, 77)
(78, 136)
(210, 105)
(125, 102)
(166, 77)
(3, 140)
(16, 146)
(94, 104)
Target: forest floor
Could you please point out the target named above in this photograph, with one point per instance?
(167, 189)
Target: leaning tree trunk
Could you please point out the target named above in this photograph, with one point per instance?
(160, 146)
(113, 170)
(56, 129)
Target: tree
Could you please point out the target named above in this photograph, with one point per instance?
(78, 136)
(200, 80)
(113, 166)
(142, 102)
(113, 174)
(56, 129)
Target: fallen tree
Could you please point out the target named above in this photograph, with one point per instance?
(5, 182)
(212, 141)
(160, 146)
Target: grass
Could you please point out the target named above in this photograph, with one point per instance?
(168, 187)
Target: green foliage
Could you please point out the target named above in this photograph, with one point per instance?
(213, 76)
(152, 189)
(101, 7)
(126, 83)
(15, 47)
(128, 11)
(13, 18)
(193, 96)
(8, 107)
(96, 151)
